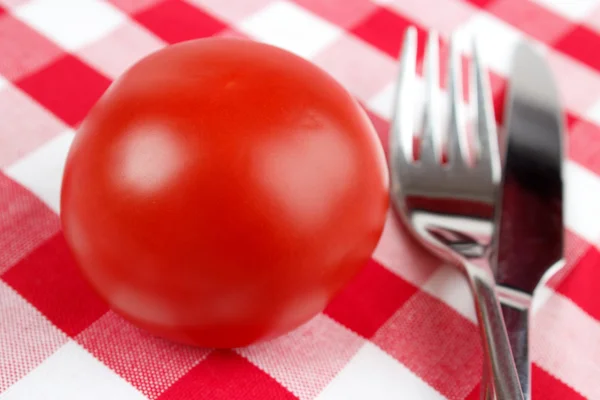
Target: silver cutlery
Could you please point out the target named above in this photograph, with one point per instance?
(450, 207)
(529, 237)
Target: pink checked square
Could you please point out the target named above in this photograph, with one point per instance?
(371, 69)
(134, 6)
(68, 88)
(343, 13)
(26, 337)
(120, 49)
(176, 21)
(381, 126)
(578, 83)
(233, 33)
(583, 146)
(400, 253)
(23, 49)
(532, 19)
(13, 3)
(436, 343)
(149, 363)
(50, 280)
(225, 375)
(24, 125)
(25, 223)
(231, 11)
(306, 359)
(575, 248)
(451, 15)
(565, 341)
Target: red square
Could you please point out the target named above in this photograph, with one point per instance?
(23, 50)
(481, 3)
(370, 299)
(498, 89)
(224, 375)
(570, 120)
(49, 279)
(545, 386)
(582, 284)
(68, 88)
(25, 223)
(176, 21)
(385, 29)
(581, 44)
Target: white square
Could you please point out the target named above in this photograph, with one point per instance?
(374, 374)
(3, 82)
(71, 373)
(572, 9)
(398, 252)
(290, 27)
(582, 197)
(496, 41)
(383, 102)
(27, 338)
(41, 170)
(71, 23)
(451, 286)
(593, 113)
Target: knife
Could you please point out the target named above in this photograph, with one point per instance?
(529, 239)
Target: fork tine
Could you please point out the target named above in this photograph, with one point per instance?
(430, 139)
(402, 130)
(488, 151)
(456, 134)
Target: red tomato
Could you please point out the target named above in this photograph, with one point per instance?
(222, 191)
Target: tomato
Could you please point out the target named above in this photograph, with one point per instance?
(222, 191)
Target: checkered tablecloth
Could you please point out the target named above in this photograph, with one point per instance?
(405, 328)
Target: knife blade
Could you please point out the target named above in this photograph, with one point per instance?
(529, 239)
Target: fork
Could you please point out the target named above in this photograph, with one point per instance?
(449, 207)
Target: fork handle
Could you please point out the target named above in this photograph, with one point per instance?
(502, 378)
(517, 326)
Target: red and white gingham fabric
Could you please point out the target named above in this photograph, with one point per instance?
(403, 329)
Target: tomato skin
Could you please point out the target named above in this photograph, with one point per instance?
(222, 191)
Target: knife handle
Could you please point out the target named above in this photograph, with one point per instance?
(516, 319)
